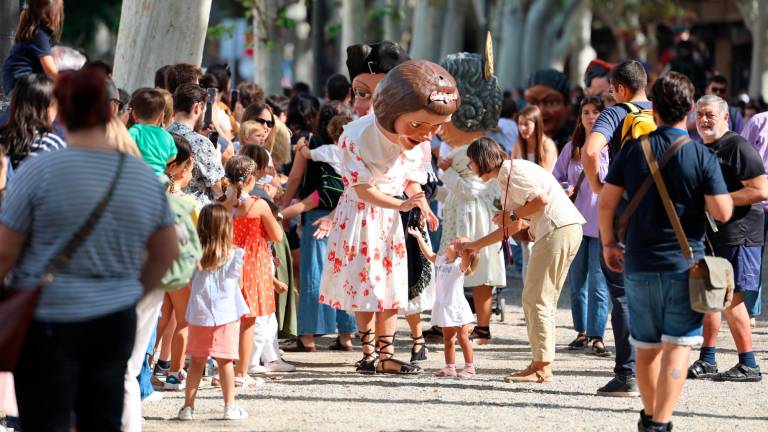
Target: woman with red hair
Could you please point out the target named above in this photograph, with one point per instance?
(99, 222)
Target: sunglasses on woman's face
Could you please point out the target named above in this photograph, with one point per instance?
(268, 123)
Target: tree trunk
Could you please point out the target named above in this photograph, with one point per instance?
(582, 52)
(392, 21)
(510, 64)
(318, 43)
(351, 26)
(758, 76)
(267, 47)
(153, 34)
(453, 27)
(426, 18)
(535, 21)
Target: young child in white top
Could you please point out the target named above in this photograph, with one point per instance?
(328, 153)
(451, 310)
(216, 304)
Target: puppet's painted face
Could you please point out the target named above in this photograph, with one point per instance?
(363, 87)
(415, 127)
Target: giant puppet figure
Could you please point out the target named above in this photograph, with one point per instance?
(382, 158)
(468, 207)
(367, 65)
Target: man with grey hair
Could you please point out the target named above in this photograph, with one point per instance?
(739, 240)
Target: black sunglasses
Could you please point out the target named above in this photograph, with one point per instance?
(268, 123)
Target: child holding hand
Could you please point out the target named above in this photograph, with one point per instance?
(451, 310)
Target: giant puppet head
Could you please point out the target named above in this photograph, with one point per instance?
(480, 94)
(414, 100)
(367, 64)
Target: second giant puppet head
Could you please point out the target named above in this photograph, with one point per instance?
(480, 96)
(367, 64)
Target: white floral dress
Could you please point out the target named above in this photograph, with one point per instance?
(367, 269)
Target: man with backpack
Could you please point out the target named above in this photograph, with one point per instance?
(630, 118)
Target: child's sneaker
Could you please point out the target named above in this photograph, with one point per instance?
(468, 371)
(234, 412)
(186, 413)
(176, 381)
(280, 366)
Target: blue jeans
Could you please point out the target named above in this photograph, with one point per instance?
(589, 292)
(752, 298)
(625, 352)
(145, 383)
(660, 310)
(315, 318)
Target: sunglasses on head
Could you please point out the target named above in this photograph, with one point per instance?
(268, 123)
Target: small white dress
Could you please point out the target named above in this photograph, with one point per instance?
(451, 308)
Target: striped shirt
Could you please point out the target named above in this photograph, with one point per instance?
(41, 144)
(48, 200)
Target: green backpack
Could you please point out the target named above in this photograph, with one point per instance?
(190, 251)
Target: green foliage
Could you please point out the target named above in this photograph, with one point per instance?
(282, 20)
(221, 31)
(332, 30)
(81, 19)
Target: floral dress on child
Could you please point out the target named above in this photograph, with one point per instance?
(257, 286)
(367, 269)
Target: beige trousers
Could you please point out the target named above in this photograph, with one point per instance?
(551, 256)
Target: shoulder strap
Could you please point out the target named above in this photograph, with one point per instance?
(62, 258)
(630, 107)
(641, 191)
(578, 185)
(674, 219)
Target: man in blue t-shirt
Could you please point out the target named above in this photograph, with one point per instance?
(627, 82)
(664, 327)
(740, 240)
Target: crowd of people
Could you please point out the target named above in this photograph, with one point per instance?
(185, 230)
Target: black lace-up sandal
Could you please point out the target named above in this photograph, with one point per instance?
(385, 342)
(367, 365)
(419, 355)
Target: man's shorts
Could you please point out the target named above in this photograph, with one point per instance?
(660, 310)
(746, 265)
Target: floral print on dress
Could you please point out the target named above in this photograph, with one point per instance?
(367, 264)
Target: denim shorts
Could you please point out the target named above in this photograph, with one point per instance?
(746, 265)
(660, 310)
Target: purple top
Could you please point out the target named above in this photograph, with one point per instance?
(756, 132)
(567, 169)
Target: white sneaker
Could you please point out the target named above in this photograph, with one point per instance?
(248, 381)
(153, 397)
(280, 366)
(258, 369)
(233, 412)
(186, 413)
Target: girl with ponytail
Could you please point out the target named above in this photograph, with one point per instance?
(254, 227)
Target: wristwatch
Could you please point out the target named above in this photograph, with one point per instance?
(513, 216)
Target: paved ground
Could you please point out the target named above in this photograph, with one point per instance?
(326, 394)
